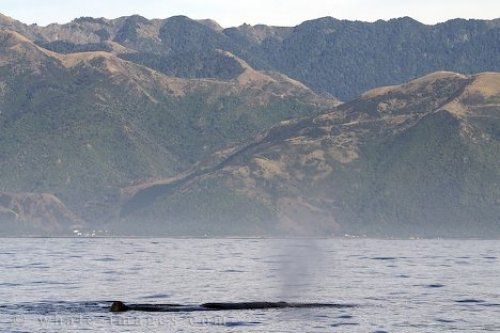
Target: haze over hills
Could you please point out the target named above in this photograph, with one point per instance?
(83, 125)
(181, 127)
(419, 159)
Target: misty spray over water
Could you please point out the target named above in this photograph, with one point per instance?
(301, 262)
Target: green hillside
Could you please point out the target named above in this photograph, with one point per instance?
(417, 160)
(339, 57)
(84, 125)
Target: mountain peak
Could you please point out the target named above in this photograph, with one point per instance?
(5, 18)
(212, 24)
(88, 19)
(17, 46)
(9, 23)
(407, 20)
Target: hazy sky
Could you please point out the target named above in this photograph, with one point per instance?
(234, 12)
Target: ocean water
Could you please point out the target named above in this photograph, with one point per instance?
(66, 285)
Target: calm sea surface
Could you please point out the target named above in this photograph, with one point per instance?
(65, 285)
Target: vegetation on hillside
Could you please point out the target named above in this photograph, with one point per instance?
(339, 57)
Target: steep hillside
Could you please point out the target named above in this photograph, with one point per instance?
(36, 214)
(339, 57)
(419, 159)
(83, 125)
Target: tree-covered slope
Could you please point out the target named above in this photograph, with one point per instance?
(339, 57)
(420, 159)
(84, 125)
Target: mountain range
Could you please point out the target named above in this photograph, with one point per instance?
(181, 127)
(337, 57)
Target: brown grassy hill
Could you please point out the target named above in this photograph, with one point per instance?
(83, 125)
(419, 159)
(36, 214)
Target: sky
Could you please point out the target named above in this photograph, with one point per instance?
(230, 13)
